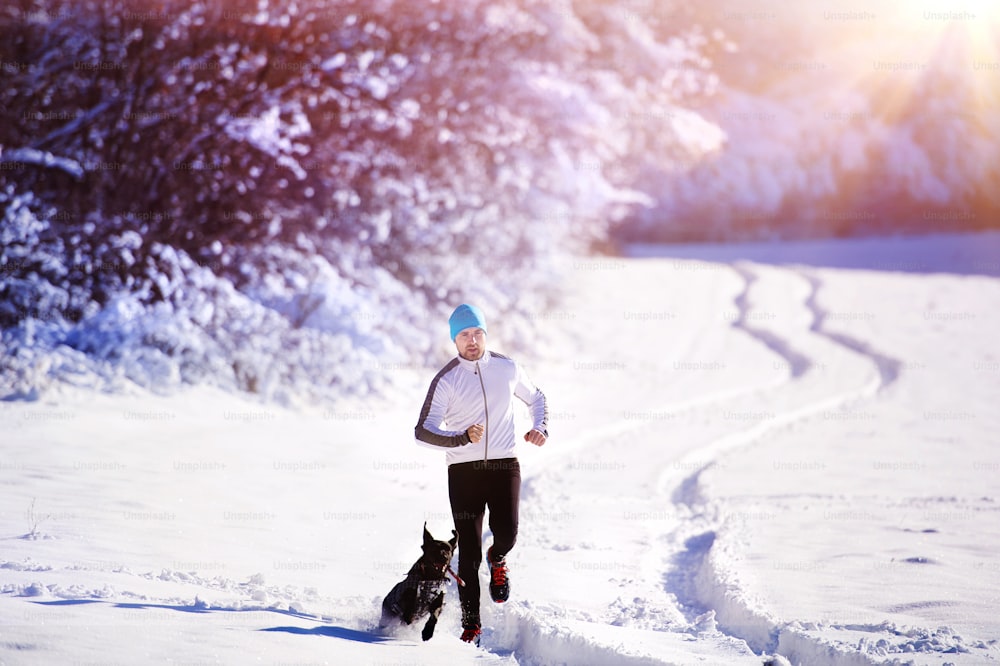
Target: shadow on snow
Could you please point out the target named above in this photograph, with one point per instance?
(333, 632)
(342, 633)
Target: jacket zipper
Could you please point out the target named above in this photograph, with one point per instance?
(486, 408)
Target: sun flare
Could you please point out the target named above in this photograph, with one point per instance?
(933, 45)
(979, 19)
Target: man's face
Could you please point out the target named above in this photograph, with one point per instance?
(471, 343)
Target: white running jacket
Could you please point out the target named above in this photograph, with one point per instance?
(465, 393)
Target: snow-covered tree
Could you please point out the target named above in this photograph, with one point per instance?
(277, 196)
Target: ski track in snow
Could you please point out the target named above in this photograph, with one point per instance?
(798, 363)
(765, 634)
(888, 367)
(693, 575)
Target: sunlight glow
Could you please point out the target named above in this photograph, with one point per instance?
(977, 17)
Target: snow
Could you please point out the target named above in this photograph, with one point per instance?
(757, 451)
(270, 135)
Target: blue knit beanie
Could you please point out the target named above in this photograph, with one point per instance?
(466, 316)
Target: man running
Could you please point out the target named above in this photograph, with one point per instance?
(469, 412)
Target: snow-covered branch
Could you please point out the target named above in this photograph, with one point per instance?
(42, 158)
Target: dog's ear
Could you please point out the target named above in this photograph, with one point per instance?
(454, 539)
(428, 539)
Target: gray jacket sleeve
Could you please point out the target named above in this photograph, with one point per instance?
(428, 431)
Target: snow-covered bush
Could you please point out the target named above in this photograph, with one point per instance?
(283, 197)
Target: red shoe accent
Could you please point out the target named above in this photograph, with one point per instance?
(499, 573)
(471, 635)
(499, 586)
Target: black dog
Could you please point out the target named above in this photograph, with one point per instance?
(420, 594)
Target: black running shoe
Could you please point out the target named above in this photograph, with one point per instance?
(499, 582)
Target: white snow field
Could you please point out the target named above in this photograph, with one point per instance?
(755, 451)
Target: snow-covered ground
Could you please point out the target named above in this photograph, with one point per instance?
(749, 455)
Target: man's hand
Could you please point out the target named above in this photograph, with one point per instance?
(475, 433)
(535, 437)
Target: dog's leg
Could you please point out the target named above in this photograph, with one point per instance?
(392, 606)
(435, 609)
(409, 605)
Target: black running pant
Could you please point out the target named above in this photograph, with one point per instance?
(472, 487)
